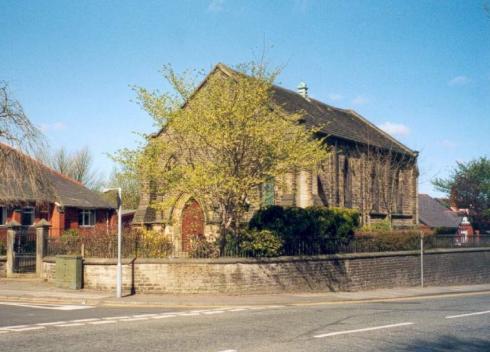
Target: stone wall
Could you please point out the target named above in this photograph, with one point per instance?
(3, 266)
(346, 272)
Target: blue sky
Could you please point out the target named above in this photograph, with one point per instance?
(418, 69)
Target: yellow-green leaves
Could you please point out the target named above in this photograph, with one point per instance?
(224, 140)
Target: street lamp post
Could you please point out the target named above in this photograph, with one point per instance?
(119, 240)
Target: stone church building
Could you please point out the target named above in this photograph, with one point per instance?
(366, 169)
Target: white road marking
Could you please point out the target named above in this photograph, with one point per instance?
(30, 328)
(103, 322)
(134, 319)
(119, 317)
(52, 323)
(362, 330)
(143, 315)
(47, 306)
(13, 327)
(164, 316)
(114, 319)
(229, 351)
(84, 320)
(467, 314)
(68, 325)
(238, 310)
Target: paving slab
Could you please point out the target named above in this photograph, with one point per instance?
(35, 290)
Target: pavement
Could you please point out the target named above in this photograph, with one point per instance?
(35, 290)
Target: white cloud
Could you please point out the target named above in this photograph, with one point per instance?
(335, 97)
(216, 5)
(50, 127)
(360, 100)
(458, 81)
(395, 129)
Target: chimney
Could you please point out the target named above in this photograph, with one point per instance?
(303, 90)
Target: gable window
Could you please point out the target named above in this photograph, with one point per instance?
(86, 218)
(3, 215)
(27, 216)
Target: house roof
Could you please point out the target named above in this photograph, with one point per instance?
(334, 122)
(56, 187)
(433, 214)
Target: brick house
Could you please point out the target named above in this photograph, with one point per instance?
(62, 201)
(367, 169)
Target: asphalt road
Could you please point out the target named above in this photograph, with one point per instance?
(458, 323)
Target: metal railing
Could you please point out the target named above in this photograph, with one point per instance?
(136, 245)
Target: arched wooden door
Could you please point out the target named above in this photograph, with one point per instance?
(192, 223)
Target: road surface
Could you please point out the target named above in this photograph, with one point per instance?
(459, 323)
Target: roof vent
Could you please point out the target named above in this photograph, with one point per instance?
(303, 90)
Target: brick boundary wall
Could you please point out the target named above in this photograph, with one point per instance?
(342, 272)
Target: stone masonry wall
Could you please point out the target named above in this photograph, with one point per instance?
(348, 272)
(3, 266)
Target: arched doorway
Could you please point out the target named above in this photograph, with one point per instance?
(192, 223)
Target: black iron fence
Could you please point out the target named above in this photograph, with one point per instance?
(25, 250)
(137, 244)
(3, 243)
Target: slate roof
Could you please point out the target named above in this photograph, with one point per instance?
(56, 187)
(336, 122)
(433, 214)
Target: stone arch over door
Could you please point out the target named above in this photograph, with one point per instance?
(192, 223)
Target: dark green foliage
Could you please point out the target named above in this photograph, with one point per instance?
(263, 243)
(310, 230)
(399, 240)
(469, 186)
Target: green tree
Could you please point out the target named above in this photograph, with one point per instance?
(469, 186)
(130, 187)
(220, 142)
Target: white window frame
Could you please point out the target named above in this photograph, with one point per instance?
(92, 216)
(28, 210)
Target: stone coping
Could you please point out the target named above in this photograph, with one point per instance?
(127, 261)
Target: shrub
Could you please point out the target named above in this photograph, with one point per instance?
(376, 227)
(396, 240)
(260, 243)
(202, 248)
(70, 242)
(152, 244)
(312, 230)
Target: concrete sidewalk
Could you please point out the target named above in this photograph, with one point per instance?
(37, 291)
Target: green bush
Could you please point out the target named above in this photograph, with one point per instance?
(309, 230)
(153, 244)
(377, 227)
(260, 243)
(202, 248)
(396, 240)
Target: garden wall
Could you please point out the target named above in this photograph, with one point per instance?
(3, 266)
(343, 272)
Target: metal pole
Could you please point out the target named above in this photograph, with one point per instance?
(421, 259)
(119, 245)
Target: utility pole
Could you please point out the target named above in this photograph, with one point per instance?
(421, 259)
(119, 240)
